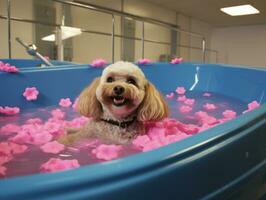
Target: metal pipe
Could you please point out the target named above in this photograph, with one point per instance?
(59, 43)
(142, 40)
(124, 14)
(113, 39)
(29, 21)
(203, 50)
(9, 28)
(32, 50)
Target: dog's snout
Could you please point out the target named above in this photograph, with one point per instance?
(118, 90)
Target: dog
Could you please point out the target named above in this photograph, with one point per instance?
(118, 103)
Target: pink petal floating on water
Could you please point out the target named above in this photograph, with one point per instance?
(9, 110)
(57, 113)
(209, 106)
(17, 148)
(252, 106)
(229, 114)
(75, 104)
(31, 93)
(41, 137)
(5, 148)
(56, 164)
(188, 128)
(5, 158)
(98, 62)
(107, 152)
(155, 133)
(144, 61)
(6, 67)
(52, 127)
(9, 128)
(141, 141)
(176, 60)
(182, 98)
(34, 121)
(22, 137)
(2, 170)
(180, 90)
(204, 118)
(154, 144)
(170, 96)
(185, 109)
(206, 94)
(52, 147)
(65, 102)
(189, 102)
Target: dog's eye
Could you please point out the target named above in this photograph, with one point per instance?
(109, 79)
(131, 81)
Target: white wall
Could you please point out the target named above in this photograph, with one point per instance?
(23, 30)
(244, 45)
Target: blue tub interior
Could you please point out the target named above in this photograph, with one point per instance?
(225, 162)
(26, 63)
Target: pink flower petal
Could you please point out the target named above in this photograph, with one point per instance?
(34, 121)
(204, 118)
(141, 141)
(144, 61)
(206, 94)
(41, 137)
(229, 114)
(170, 96)
(154, 144)
(52, 147)
(56, 164)
(180, 90)
(176, 60)
(75, 104)
(209, 106)
(185, 109)
(5, 148)
(189, 102)
(98, 62)
(4, 158)
(17, 148)
(252, 106)
(182, 98)
(31, 93)
(6, 67)
(2, 170)
(9, 128)
(58, 114)
(107, 152)
(22, 137)
(65, 102)
(9, 110)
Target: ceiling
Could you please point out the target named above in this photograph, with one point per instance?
(209, 11)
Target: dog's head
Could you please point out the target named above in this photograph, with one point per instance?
(122, 90)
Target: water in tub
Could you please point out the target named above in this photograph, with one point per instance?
(28, 140)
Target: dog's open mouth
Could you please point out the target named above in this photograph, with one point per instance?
(119, 100)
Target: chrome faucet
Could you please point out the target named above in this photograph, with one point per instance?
(32, 50)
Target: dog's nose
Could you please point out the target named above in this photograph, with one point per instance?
(118, 90)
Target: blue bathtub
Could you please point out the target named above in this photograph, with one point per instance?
(27, 63)
(225, 162)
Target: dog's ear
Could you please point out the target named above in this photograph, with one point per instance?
(88, 104)
(153, 106)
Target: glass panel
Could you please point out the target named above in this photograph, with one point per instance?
(3, 39)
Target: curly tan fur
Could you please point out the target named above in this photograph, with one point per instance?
(142, 103)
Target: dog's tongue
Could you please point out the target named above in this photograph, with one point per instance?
(119, 100)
